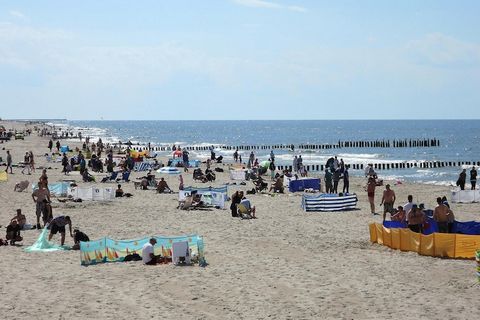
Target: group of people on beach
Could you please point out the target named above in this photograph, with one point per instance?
(462, 178)
(415, 216)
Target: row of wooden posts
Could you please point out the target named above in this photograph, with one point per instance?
(395, 165)
(405, 143)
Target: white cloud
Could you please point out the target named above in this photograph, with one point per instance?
(268, 5)
(439, 50)
(17, 14)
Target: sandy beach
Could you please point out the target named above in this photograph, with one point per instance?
(287, 264)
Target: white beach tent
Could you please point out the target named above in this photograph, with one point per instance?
(465, 196)
(92, 193)
(238, 174)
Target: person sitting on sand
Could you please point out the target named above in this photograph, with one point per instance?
(119, 191)
(277, 186)
(13, 232)
(210, 175)
(416, 218)
(148, 256)
(163, 187)
(250, 210)
(19, 218)
(399, 215)
(58, 225)
(77, 237)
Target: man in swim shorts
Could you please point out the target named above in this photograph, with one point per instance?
(371, 193)
(388, 200)
(58, 225)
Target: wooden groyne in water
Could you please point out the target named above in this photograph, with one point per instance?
(394, 165)
(397, 143)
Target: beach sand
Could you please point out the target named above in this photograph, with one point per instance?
(287, 264)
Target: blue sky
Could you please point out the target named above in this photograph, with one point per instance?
(240, 59)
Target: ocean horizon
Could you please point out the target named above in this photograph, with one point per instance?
(453, 146)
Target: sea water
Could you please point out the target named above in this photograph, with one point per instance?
(459, 140)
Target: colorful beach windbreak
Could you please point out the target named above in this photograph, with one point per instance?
(109, 250)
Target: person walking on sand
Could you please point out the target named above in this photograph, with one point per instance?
(32, 162)
(473, 177)
(346, 180)
(461, 179)
(50, 145)
(388, 200)
(57, 145)
(9, 162)
(371, 193)
(26, 163)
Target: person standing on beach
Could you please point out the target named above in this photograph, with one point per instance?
(294, 164)
(58, 146)
(388, 200)
(272, 169)
(336, 179)
(272, 156)
(9, 162)
(461, 179)
(65, 164)
(371, 194)
(473, 177)
(26, 163)
(235, 155)
(185, 160)
(408, 206)
(299, 162)
(440, 215)
(346, 180)
(32, 162)
(251, 160)
(50, 145)
(328, 181)
(40, 197)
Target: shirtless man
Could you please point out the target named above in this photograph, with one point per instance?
(57, 225)
(416, 218)
(20, 218)
(39, 196)
(388, 200)
(371, 193)
(441, 216)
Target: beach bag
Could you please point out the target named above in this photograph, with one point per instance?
(132, 257)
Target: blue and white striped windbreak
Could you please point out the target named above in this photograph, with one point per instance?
(329, 202)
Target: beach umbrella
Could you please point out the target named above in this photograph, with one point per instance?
(168, 170)
(265, 164)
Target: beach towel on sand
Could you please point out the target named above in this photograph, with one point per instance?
(3, 176)
(43, 245)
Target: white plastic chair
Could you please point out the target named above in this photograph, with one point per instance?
(180, 252)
